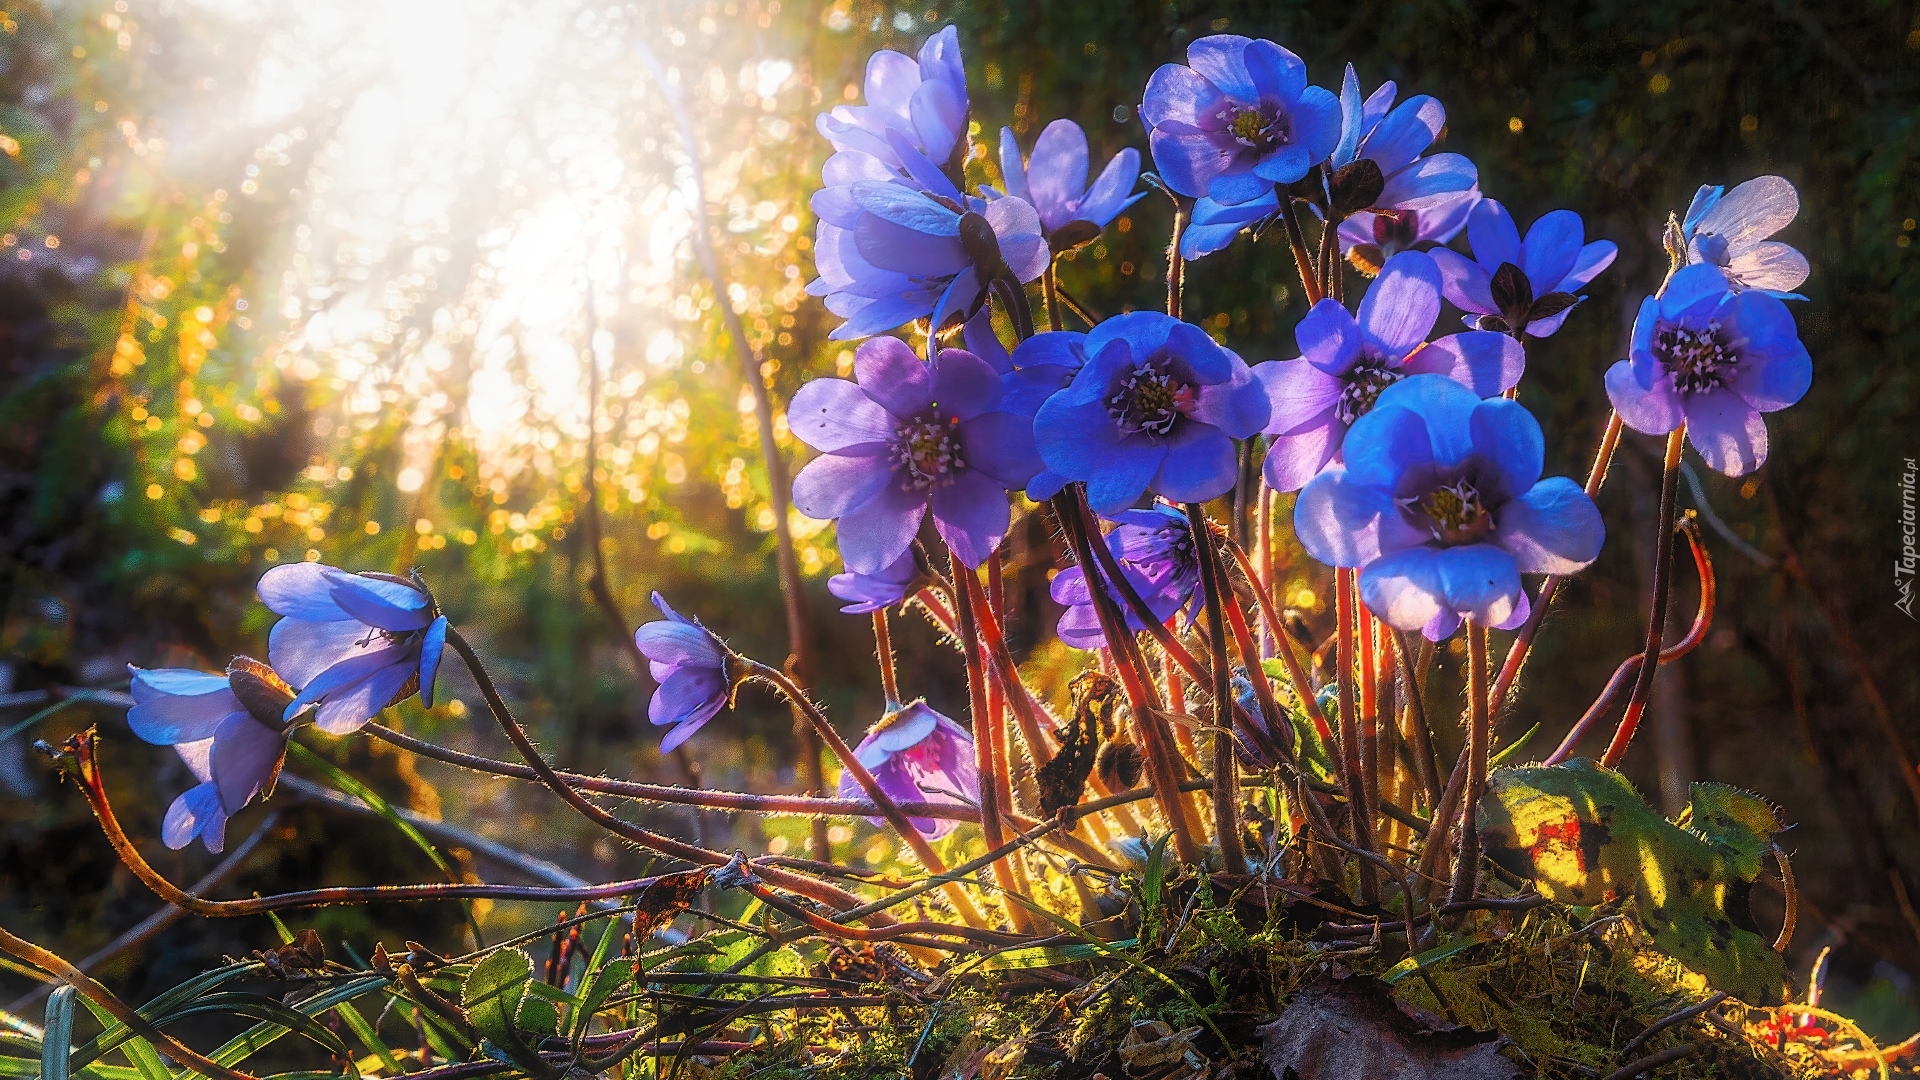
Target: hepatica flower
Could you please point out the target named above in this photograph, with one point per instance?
(1238, 119)
(354, 643)
(230, 731)
(920, 103)
(1154, 548)
(1713, 359)
(1156, 407)
(868, 593)
(1521, 286)
(1729, 229)
(1421, 200)
(888, 254)
(1345, 364)
(1055, 183)
(695, 671)
(918, 755)
(1441, 507)
(907, 437)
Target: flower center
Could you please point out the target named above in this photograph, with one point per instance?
(1456, 513)
(1251, 127)
(927, 452)
(1150, 400)
(1368, 377)
(1698, 359)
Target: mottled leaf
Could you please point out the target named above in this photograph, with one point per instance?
(1352, 1029)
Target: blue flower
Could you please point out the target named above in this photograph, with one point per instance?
(1238, 120)
(694, 669)
(227, 728)
(1714, 359)
(1154, 548)
(868, 593)
(1729, 229)
(1425, 200)
(917, 104)
(354, 643)
(1055, 183)
(1441, 507)
(1156, 407)
(918, 755)
(1547, 270)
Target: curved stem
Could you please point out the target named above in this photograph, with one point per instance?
(1662, 591)
(1466, 872)
(1226, 786)
(1352, 770)
(1051, 291)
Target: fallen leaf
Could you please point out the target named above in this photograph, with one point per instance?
(1352, 1029)
(1152, 1050)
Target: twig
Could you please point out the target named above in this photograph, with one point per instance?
(1653, 1061)
(1664, 1023)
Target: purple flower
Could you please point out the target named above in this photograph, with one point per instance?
(354, 643)
(888, 254)
(694, 669)
(227, 728)
(1730, 231)
(1238, 120)
(1154, 548)
(1441, 506)
(1714, 359)
(905, 436)
(1516, 286)
(1424, 200)
(1214, 224)
(1055, 183)
(1156, 407)
(919, 103)
(918, 755)
(868, 593)
(1345, 363)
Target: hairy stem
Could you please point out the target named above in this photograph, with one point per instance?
(1466, 874)
(883, 653)
(1226, 785)
(1662, 592)
(1352, 770)
(1302, 258)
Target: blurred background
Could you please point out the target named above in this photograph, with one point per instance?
(411, 284)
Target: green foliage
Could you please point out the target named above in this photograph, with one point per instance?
(1586, 838)
(494, 994)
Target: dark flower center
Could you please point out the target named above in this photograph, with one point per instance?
(1368, 377)
(1455, 513)
(1252, 127)
(927, 451)
(1151, 399)
(1698, 359)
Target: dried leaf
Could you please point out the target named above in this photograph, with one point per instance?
(303, 957)
(1352, 1029)
(666, 897)
(1152, 1050)
(1063, 778)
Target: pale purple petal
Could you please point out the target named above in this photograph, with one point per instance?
(1651, 408)
(833, 485)
(964, 386)
(1466, 284)
(896, 379)
(874, 534)
(1401, 304)
(302, 591)
(1729, 433)
(971, 514)
(834, 414)
(1485, 362)
(1299, 394)
(245, 753)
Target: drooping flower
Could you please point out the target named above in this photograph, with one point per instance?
(1515, 286)
(1729, 229)
(1237, 119)
(1156, 407)
(868, 593)
(695, 671)
(904, 437)
(1055, 183)
(1714, 359)
(888, 254)
(354, 643)
(1422, 200)
(1154, 548)
(230, 731)
(1345, 363)
(921, 102)
(1441, 507)
(918, 755)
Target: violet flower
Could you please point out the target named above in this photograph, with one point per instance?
(1345, 363)
(1729, 229)
(888, 255)
(695, 671)
(921, 102)
(1156, 407)
(1515, 286)
(904, 437)
(1055, 183)
(1441, 507)
(1042, 366)
(227, 728)
(1238, 119)
(1423, 200)
(918, 755)
(1154, 548)
(354, 643)
(868, 593)
(1714, 359)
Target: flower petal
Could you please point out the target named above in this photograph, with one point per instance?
(1494, 237)
(302, 591)
(1480, 582)
(1484, 362)
(1552, 529)
(1730, 434)
(1769, 266)
(893, 376)
(1299, 394)
(834, 414)
(1328, 337)
(1506, 436)
(245, 753)
(1650, 408)
(1298, 456)
(875, 533)
(1058, 174)
(1000, 445)
(1465, 283)
(964, 386)
(1550, 249)
(1401, 304)
(1199, 464)
(1405, 588)
(191, 815)
(971, 514)
(300, 651)
(1750, 213)
(431, 648)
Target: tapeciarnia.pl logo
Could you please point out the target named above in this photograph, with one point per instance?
(1904, 566)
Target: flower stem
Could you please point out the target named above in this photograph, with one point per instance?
(1283, 641)
(888, 808)
(1050, 286)
(1007, 673)
(883, 652)
(1176, 264)
(1466, 872)
(980, 709)
(1302, 258)
(1662, 592)
(1421, 733)
(1226, 781)
(1352, 770)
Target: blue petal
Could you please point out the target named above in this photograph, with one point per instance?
(430, 649)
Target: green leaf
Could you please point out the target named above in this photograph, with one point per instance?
(1507, 752)
(539, 1018)
(601, 986)
(156, 1011)
(1315, 755)
(1586, 837)
(137, 1049)
(492, 996)
(1433, 956)
(56, 1036)
(1040, 956)
(363, 1030)
(249, 1042)
(1154, 880)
